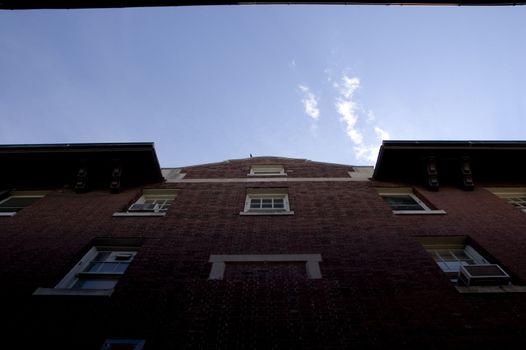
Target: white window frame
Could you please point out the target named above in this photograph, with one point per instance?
(452, 273)
(312, 262)
(445, 243)
(163, 208)
(508, 193)
(138, 344)
(267, 170)
(149, 194)
(67, 284)
(273, 194)
(383, 192)
(22, 194)
(432, 244)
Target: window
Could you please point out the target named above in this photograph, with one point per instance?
(153, 202)
(267, 201)
(123, 344)
(97, 273)
(462, 263)
(404, 201)
(15, 201)
(516, 196)
(311, 261)
(267, 170)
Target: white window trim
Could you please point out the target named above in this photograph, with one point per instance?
(264, 211)
(508, 192)
(149, 193)
(468, 250)
(426, 211)
(22, 194)
(430, 243)
(267, 170)
(128, 214)
(312, 261)
(64, 287)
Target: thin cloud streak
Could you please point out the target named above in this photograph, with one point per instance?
(349, 113)
(310, 103)
(381, 134)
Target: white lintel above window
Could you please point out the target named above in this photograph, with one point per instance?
(219, 262)
(267, 170)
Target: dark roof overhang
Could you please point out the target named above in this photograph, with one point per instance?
(71, 4)
(462, 163)
(82, 166)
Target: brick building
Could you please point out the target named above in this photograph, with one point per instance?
(100, 248)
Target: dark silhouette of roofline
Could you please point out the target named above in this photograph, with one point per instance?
(460, 162)
(78, 4)
(82, 166)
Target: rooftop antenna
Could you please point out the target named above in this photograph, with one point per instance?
(250, 155)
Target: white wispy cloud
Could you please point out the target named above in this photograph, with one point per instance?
(370, 116)
(349, 86)
(347, 111)
(381, 134)
(369, 153)
(366, 141)
(310, 102)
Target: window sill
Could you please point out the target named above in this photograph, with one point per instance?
(267, 175)
(491, 289)
(74, 292)
(126, 214)
(419, 212)
(256, 213)
(8, 214)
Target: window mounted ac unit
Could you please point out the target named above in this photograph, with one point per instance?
(484, 274)
(144, 208)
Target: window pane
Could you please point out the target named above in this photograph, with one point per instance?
(443, 266)
(123, 257)
(108, 267)
(255, 203)
(93, 267)
(446, 255)
(102, 256)
(402, 203)
(453, 265)
(518, 201)
(278, 203)
(461, 255)
(94, 284)
(120, 268)
(266, 203)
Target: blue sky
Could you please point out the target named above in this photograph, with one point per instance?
(211, 83)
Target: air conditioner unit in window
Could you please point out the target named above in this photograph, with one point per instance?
(144, 208)
(484, 274)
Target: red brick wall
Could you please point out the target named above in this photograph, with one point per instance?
(379, 287)
(239, 168)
